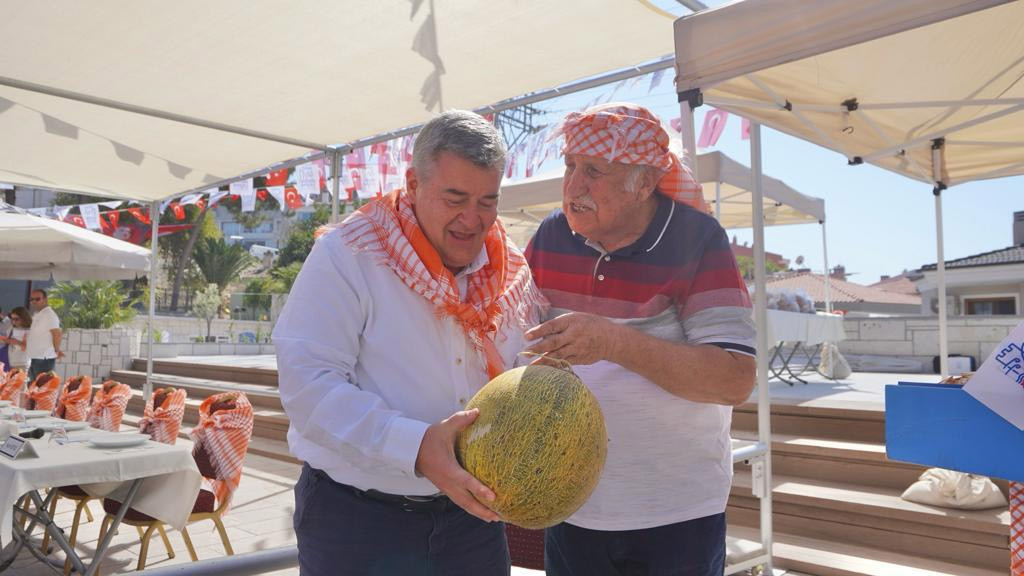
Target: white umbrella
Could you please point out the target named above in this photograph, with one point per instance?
(36, 248)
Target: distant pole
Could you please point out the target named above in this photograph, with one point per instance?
(154, 223)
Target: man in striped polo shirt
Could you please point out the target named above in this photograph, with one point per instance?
(648, 305)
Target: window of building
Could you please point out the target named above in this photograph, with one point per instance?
(990, 306)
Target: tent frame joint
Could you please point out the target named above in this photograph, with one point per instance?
(694, 97)
(855, 161)
(850, 104)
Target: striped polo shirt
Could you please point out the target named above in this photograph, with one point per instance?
(669, 459)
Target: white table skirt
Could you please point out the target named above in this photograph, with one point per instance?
(168, 492)
(812, 329)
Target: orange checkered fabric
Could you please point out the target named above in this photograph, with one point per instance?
(631, 134)
(225, 436)
(501, 291)
(1017, 528)
(13, 385)
(108, 406)
(43, 391)
(164, 421)
(74, 404)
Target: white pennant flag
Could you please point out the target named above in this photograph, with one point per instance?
(61, 211)
(278, 193)
(91, 215)
(112, 204)
(306, 180)
(215, 195)
(244, 189)
(189, 199)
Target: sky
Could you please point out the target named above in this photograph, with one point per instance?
(878, 222)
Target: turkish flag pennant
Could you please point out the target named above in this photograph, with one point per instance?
(714, 125)
(139, 214)
(745, 129)
(76, 219)
(200, 204)
(105, 225)
(380, 148)
(292, 198)
(114, 216)
(261, 195)
(179, 211)
(277, 177)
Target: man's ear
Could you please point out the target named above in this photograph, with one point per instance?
(648, 183)
(412, 182)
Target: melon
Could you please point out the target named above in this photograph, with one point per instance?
(539, 443)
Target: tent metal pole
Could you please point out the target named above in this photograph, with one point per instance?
(761, 321)
(689, 134)
(828, 275)
(335, 185)
(154, 222)
(940, 259)
(718, 200)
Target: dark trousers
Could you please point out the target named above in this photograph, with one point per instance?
(40, 365)
(691, 548)
(344, 531)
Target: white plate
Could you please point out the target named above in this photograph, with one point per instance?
(68, 425)
(119, 440)
(4, 403)
(36, 413)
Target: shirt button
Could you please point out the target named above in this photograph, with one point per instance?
(600, 277)
(462, 401)
(607, 258)
(458, 361)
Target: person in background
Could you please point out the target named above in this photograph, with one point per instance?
(17, 340)
(5, 331)
(44, 337)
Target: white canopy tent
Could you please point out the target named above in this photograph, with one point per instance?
(930, 89)
(36, 248)
(151, 101)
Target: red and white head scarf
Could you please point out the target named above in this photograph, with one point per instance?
(74, 404)
(631, 134)
(225, 436)
(13, 384)
(501, 291)
(164, 421)
(108, 406)
(43, 391)
(1017, 528)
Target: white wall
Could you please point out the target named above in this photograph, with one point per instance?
(96, 352)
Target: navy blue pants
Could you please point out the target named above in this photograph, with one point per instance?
(343, 531)
(691, 548)
(38, 366)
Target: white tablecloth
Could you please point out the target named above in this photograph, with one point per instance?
(168, 492)
(810, 329)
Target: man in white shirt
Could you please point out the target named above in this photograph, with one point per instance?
(399, 315)
(44, 338)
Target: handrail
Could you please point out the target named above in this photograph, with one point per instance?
(247, 564)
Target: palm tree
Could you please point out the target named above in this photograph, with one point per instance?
(221, 263)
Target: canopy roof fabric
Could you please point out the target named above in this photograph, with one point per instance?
(36, 248)
(838, 75)
(306, 75)
(525, 203)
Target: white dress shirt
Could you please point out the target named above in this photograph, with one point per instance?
(365, 365)
(40, 336)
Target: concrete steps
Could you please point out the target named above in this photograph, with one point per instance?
(201, 388)
(837, 508)
(226, 372)
(275, 449)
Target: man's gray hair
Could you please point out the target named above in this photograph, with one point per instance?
(463, 133)
(637, 173)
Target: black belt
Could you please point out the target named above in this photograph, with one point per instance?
(435, 502)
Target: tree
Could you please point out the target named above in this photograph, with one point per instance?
(99, 304)
(746, 265)
(300, 238)
(206, 305)
(180, 247)
(221, 263)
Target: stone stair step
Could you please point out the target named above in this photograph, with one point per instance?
(829, 558)
(247, 374)
(258, 394)
(875, 517)
(268, 447)
(855, 425)
(267, 422)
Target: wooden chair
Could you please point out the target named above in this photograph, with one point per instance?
(204, 508)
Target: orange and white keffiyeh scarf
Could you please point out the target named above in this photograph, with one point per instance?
(225, 435)
(43, 391)
(1017, 528)
(13, 384)
(631, 134)
(108, 406)
(74, 404)
(500, 291)
(163, 422)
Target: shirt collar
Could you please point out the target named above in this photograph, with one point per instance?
(481, 260)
